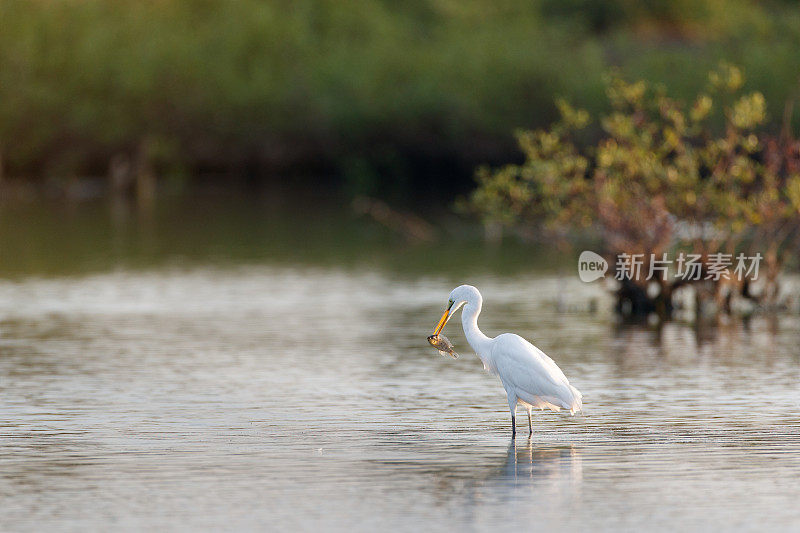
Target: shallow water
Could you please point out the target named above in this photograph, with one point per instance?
(300, 397)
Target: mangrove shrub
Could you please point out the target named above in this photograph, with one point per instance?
(662, 177)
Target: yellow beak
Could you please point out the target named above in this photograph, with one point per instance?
(442, 321)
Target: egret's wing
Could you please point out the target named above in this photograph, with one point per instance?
(534, 377)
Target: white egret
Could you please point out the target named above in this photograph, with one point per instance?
(529, 376)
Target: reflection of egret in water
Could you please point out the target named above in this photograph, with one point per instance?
(557, 464)
(477, 474)
(527, 483)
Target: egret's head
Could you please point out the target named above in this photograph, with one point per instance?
(463, 294)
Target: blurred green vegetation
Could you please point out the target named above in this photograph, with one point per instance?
(392, 99)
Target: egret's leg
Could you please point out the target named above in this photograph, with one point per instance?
(530, 425)
(512, 406)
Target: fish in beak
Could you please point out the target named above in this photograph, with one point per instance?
(443, 344)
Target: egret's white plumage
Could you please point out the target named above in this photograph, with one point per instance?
(529, 376)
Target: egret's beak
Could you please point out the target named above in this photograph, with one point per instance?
(443, 320)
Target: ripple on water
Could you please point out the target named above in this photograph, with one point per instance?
(196, 399)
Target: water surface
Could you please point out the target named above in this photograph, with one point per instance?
(281, 392)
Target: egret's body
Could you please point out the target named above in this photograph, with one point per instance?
(528, 375)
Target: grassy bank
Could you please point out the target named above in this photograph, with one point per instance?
(393, 100)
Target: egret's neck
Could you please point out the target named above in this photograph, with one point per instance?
(475, 337)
